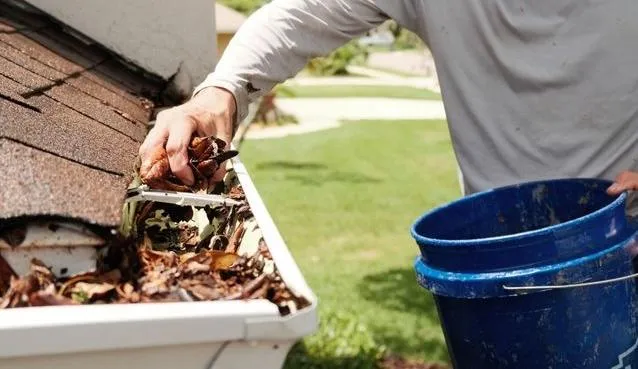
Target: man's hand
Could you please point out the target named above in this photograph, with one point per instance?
(210, 112)
(626, 181)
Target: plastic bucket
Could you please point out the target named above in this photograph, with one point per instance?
(537, 275)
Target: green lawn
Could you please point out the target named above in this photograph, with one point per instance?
(358, 91)
(344, 200)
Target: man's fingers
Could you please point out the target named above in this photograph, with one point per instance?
(156, 137)
(616, 189)
(177, 149)
(209, 113)
(223, 128)
(625, 181)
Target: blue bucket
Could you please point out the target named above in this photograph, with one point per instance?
(533, 276)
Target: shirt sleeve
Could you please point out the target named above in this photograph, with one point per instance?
(277, 41)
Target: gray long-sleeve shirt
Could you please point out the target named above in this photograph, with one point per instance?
(533, 89)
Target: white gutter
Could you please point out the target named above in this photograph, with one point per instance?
(185, 335)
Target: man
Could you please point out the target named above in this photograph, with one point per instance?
(533, 89)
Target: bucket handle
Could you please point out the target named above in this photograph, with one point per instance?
(565, 286)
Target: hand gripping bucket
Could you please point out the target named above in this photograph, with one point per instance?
(533, 276)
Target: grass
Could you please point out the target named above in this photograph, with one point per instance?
(358, 91)
(344, 200)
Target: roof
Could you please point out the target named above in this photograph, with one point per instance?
(71, 122)
(227, 20)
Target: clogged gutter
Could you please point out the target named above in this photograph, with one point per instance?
(167, 252)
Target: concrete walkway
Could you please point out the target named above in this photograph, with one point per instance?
(379, 79)
(355, 108)
(315, 114)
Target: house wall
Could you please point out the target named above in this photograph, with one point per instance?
(161, 36)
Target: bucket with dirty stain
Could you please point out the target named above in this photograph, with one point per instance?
(533, 276)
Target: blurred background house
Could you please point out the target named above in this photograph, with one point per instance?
(228, 22)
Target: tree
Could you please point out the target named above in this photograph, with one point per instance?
(246, 7)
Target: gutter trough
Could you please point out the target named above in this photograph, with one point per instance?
(166, 335)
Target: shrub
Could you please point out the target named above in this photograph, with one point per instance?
(336, 62)
(342, 342)
(244, 6)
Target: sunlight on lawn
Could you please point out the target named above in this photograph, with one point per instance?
(344, 201)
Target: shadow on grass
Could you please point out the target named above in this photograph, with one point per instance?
(280, 164)
(314, 174)
(398, 290)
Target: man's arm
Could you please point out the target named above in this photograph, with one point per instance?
(277, 41)
(272, 45)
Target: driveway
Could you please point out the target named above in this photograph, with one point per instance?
(316, 114)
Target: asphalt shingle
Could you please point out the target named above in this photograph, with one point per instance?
(57, 129)
(73, 191)
(70, 123)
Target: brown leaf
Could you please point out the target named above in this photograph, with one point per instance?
(188, 235)
(260, 293)
(207, 167)
(222, 260)
(19, 291)
(253, 286)
(187, 257)
(113, 276)
(235, 239)
(146, 242)
(217, 260)
(156, 167)
(198, 147)
(150, 258)
(127, 293)
(158, 280)
(144, 212)
(49, 297)
(203, 292)
(6, 273)
(90, 276)
(207, 147)
(92, 290)
(236, 193)
(194, 267)
(37, 266)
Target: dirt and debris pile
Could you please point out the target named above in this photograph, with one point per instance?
(170, 252)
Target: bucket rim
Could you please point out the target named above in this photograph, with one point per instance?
(463, 284)
(442, 242)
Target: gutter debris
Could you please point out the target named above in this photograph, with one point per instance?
(166, 252)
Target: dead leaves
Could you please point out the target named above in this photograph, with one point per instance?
(36, 289)
(206, 155)
(178, 253)
(210, 260)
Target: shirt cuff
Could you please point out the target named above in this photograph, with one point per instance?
(236, 89)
